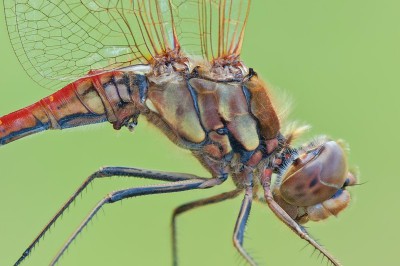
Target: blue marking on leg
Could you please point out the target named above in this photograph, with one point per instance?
(242, 219)
(141, 191)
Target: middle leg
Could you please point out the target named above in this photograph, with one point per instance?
(190, 206)
(240, 226)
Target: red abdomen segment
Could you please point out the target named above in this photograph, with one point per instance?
(98, 98)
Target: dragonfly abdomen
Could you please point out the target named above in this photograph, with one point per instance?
(115, 96)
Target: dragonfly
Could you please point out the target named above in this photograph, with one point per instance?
(177, 63)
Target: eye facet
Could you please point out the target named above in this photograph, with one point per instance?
(315, 176)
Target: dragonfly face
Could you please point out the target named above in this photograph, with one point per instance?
(312, 186)
(137, 59)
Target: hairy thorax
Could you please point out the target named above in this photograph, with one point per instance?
(222, 113)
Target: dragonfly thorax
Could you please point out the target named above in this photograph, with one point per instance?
(219, 112)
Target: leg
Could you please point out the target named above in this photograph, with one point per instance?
(191, 205)
(240, 226)
(141, 191)
(284, 217)
(108, 172)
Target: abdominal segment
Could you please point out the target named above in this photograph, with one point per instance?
(112, 96)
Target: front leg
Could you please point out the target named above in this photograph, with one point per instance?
(285, 218)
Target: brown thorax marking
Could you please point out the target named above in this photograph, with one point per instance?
(227, 97)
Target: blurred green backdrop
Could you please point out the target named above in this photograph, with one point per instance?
(339, 61)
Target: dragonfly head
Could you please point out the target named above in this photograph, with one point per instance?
(312, 183)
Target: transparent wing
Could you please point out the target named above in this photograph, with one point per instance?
(211, 28)
(57, 41)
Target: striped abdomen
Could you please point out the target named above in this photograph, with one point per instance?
(115, 96)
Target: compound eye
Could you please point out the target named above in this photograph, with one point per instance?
(315, 176)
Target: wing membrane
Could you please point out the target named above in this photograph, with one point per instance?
(211, 28)
(62, 40)
(57, 41)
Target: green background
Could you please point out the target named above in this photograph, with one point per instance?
(339, 61)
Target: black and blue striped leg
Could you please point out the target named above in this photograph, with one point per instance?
(108, 172)
(190, 206)
(240, 226)
(141, 191)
